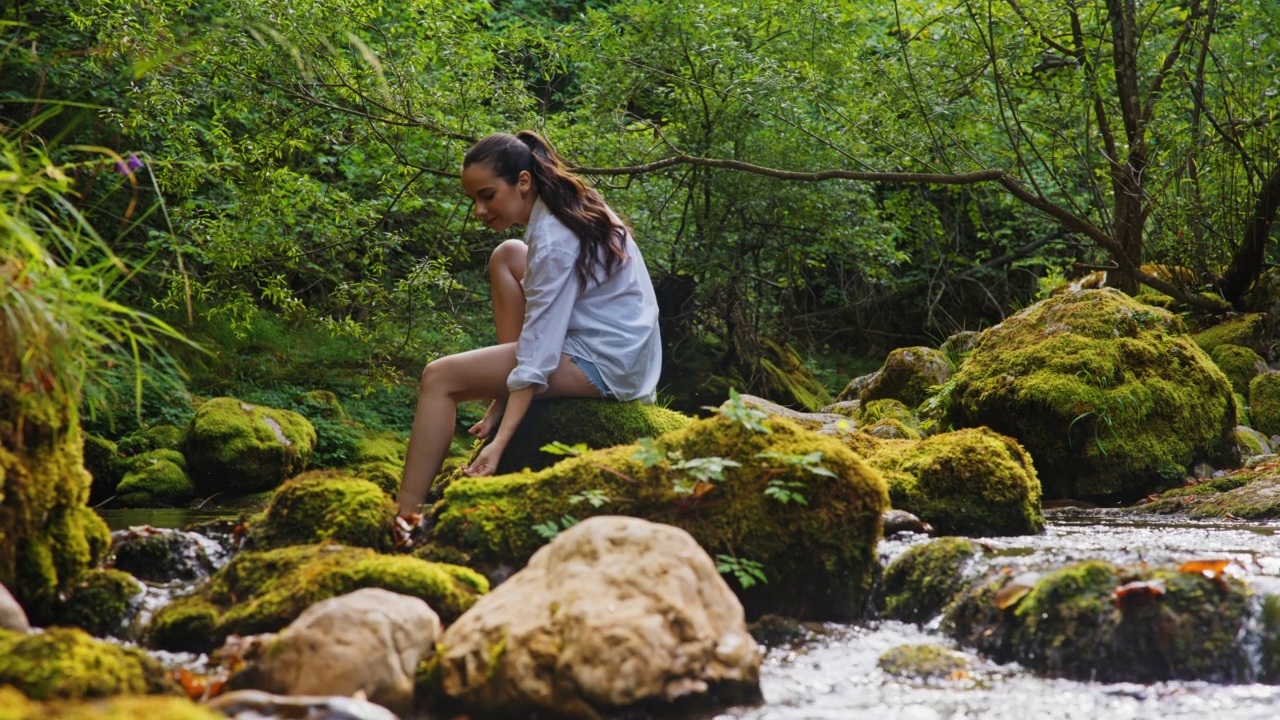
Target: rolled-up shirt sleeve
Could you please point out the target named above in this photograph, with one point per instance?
(551, 288)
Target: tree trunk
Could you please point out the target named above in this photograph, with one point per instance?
(1246, 263)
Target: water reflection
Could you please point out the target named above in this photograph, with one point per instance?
(121, 518)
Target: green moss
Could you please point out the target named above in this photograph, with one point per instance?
(102, 460)
(117, 708)
(788, 381)
(1183, 498)
(1158, 299)
(819, 558)
(1257, 500)
(891, 429)
(1109, 396)
(1244, 330)
(325, 505)
(907, 375)
(922, 662)
(386, 475)
(1270, 639)
(1264, 403)
(155, 478)
(594, 423)
(922, 581)
(968, 482)
(100, 602)
(323, 404)
(1249, 442)
(264, 591)
(886, 409)
(66, 663)
(1071, 624)
(1242, 411)
(1240, 364)
(234, 446)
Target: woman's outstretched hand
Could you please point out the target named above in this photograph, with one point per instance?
(489, 423)
(486, 462)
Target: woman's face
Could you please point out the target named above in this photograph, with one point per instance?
(499, 204)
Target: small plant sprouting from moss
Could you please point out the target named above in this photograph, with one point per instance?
(737, 410)
(747, 572)
(1106, 416)
(551, 528)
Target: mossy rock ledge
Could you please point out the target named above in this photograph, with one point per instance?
(264, 591)
(1109, 396)
(65, 663)
(907, 375)
(592, 422)
(920, 582)
(1098, 621)
(819, 558)
(968, 482)
(238, 447)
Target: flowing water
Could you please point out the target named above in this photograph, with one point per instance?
(834, 674)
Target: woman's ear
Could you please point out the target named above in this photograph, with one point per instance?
(524, 183)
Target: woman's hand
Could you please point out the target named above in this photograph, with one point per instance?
(491, 420)
(486, 462)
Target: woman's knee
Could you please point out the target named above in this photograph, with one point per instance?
(436, 374)
(509, 257)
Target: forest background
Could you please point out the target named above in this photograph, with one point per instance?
(277, 179)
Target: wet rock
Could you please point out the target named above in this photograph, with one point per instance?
(968, 482)
(102, 602)
(264, 591)
(818, 556)
(102, 460)
(234, 446)
(906, 376)
(1109, 396)
(12, 617)
(1259, 499)
(258, 705)
(922, 662)
(846, 408)
(897, 521)
(325, 505)
(66, 663)
(160, 555)
(615, 612)
(922, 581)
(368, 641)
(1098, 621)
(776, 630)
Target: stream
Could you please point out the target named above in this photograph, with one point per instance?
(834, 674)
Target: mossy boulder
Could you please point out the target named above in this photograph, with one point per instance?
(1259, 499)
(1109, 396)
(155, 478)
(968, 482)
(161, 556)
(891, 429)
(1246, 330)
(874, 411)
(1250, 442)
(1098, 621)
(818, 556)
(1264, 403)
(16, 706)
(1240, 364)
(102, 602)
(325, 505)
(264, 591)
(922, 581)
(1183, 499)
(922, 662)
(102, 459)
(66, 663)
(238, 447)
(379, 458)
(907, 375)
(155, 437)
(591, 422)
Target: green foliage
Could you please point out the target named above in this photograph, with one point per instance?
(737, 410)
(746, 572)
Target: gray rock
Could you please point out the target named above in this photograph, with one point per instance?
(258, 705)
(12, 616)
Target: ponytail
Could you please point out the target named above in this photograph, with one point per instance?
(578, 206)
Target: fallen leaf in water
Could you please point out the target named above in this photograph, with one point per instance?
(1214, 570)
(1016, 589)
(1137, 593)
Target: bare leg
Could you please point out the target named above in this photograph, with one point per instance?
(470, 375)
(506, 270)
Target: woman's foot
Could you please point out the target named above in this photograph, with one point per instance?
(492, 418)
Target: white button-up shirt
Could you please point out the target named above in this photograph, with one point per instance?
(612, 322)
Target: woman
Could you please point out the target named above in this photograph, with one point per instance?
(572, 303)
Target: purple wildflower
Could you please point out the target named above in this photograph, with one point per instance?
(134, 162)
(122, 168)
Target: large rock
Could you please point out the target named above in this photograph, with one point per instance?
(967, 482)
(155, 478)
(591, 422)
(799, 504)
(237, 447)
(615, 612)
(12, 617)
(1109, 396)
(161, 555)
(66, 663)
(261, 592)
(325, 505)
(16, 706)
(367, 641)
(1264, 399)
(1239, 364)
(102, 602)
(259, 705)
(907, 375)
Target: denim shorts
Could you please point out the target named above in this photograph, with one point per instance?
(592, 372)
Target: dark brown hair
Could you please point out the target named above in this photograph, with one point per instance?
(579, 207)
